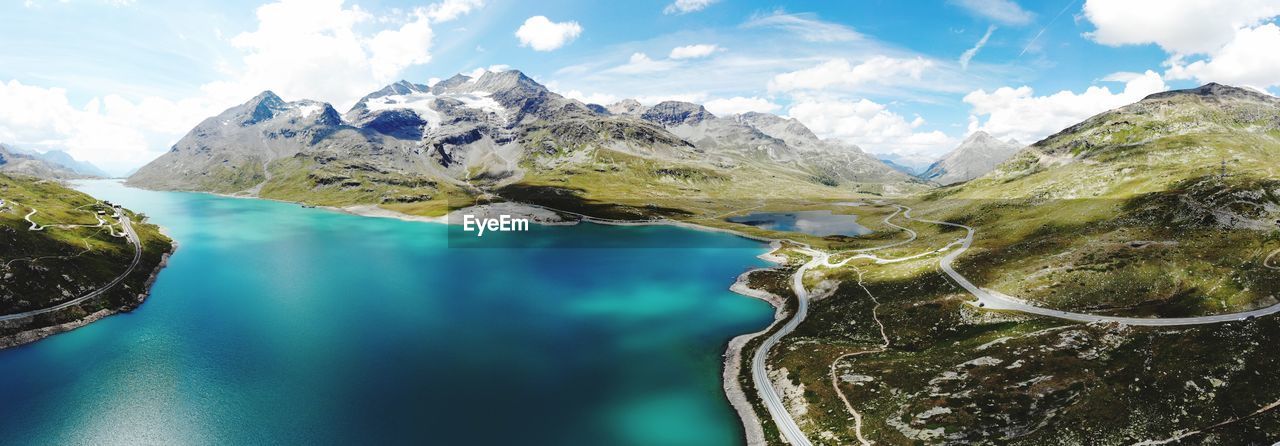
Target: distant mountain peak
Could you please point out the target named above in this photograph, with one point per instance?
(978, 154)
(676, 113)
(626, 107)
(40, 165)
(979, 137)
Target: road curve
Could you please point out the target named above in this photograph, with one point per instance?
(777, 410)
(132, 237)
(996, 300)
(1267, 261)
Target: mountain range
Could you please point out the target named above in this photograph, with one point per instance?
(412, 145)
(54, 164)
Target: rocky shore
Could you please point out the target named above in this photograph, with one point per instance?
(36, 334)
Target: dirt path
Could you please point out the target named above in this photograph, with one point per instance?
(835, 379)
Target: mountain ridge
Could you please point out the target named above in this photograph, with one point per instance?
(41, 165)
(408, 143)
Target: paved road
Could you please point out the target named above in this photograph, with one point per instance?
(777, 410)
(773, 402)
(996, 300)
(137, 257)
(989, 299)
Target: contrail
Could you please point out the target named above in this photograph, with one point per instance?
(1042, 30)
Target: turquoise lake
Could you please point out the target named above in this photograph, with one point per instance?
(275, 324)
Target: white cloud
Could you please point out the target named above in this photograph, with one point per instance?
(591, 98)
(840, 73)
(739, 104)
(111, 131)
(1180, 27)
(687, 6)
(393, 50)
(314, 49)
(1018, 113)
(805, 26)
(541, 34)
(451, 9)
(1121, 76)
(307, 49)
(1002, 11)
(693, 51)
(640, 63)
(1252, 58)
(869, 125)
(318, 50)
(1210, 41)
(969, 53)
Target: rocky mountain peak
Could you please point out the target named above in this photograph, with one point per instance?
(978, 154)
(262, 107)
(507, 80)
(400, 87)
(450, 83)
(786, 129)
(672, 113)
(980, 138)
(626, 107)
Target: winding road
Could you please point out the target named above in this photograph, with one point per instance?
(995, 300)
(759, 372)
(137, 257)
(988, 299)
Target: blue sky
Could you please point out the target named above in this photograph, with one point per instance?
(117, 82)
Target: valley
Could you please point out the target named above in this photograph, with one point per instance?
(1015, 305)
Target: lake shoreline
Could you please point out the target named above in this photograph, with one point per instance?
(35, 334)
(737, 397)
(731, 370)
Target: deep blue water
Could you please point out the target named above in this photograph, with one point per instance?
(820, 223)
(278, 324)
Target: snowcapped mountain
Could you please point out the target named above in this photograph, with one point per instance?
(978, 154)
(481, 133)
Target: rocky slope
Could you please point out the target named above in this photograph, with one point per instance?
(408, 145)
(978, 154)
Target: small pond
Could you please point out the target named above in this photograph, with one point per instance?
(820, 223)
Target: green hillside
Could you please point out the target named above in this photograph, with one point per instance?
(72, 253)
